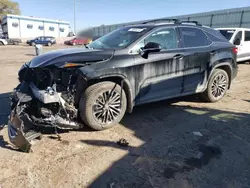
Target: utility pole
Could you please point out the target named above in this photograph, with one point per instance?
(75, 17)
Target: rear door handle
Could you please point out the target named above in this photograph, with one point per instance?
(178, 56)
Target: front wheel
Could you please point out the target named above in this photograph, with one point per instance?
(217, 86)
(103, 105)
(49, 44)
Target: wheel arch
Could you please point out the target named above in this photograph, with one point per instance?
(120, 80)
(226, 66)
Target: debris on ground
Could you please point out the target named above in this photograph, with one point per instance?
(197, 133)
(123, 142)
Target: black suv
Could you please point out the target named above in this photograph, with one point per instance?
(95, 85)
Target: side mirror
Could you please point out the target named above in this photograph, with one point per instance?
(149, 48)
(237, 42)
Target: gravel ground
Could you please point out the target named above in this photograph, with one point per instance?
(163, 150)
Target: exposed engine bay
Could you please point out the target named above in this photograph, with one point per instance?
(45, 97)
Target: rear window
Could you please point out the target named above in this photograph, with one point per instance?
(216, 37)
(227, 33)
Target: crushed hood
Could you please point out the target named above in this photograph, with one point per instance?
(80, 55)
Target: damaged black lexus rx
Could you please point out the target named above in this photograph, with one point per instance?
(95, 85)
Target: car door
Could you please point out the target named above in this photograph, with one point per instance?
(160, 74)
(245, 46)
(37, 40)
(197, 51)
(237, 40)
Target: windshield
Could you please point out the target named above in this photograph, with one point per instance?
(227, 33)
(120, 38)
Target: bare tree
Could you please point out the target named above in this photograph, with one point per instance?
(9, 7)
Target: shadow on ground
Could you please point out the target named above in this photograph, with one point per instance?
(173, 156)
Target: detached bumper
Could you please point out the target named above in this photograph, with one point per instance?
(16, 134)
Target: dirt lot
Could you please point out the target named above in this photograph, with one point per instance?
(163, 150)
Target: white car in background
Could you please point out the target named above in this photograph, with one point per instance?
(240, 37)
(3, 42)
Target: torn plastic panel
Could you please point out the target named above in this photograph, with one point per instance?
(33, 109)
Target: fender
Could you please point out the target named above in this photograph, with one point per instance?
(89, 74)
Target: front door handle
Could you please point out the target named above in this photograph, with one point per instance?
(178, 56)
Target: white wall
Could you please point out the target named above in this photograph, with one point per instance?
(13, 32)
(49, 32)
(65, 32)
(22, 31)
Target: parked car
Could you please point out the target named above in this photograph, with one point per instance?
(46, 40)
(133, 65)
(77, 41)
(14, 41)
(241, 38)
(3, 41)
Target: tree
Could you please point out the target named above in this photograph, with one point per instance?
(8, 7)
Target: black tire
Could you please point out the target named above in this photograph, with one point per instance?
(15, 43)
(93, 113)
(74, 44)
(217, 86)
(1, 43)
(33, 44)
(49, 44)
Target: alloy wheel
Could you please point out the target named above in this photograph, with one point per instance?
(107, 107)
(219, 86)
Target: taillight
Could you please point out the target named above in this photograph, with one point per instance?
(235, 50)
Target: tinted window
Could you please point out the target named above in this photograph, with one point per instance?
(29, 26)
(41, 27)
(247, 35)
(193, 37)
(51, 28)
(227, 33)
(216, 38)
(165, 37)
(14, 24)
(61, 29)
(238, 38)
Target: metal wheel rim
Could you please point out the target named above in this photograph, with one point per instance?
(107, 107)
(219, 86)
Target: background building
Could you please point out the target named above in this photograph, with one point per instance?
(15, 26)
(238, 17)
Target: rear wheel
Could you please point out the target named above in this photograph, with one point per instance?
(1, 43)
(49, 44)
(217, 86)
(103, 105)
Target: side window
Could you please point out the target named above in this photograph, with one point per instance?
(193, 37)
(238, 38)
(165, 37)
(247, 35)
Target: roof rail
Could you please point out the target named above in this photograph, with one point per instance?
(194, 22)
(176, 21)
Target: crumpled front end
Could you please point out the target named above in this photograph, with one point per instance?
(45, 97)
